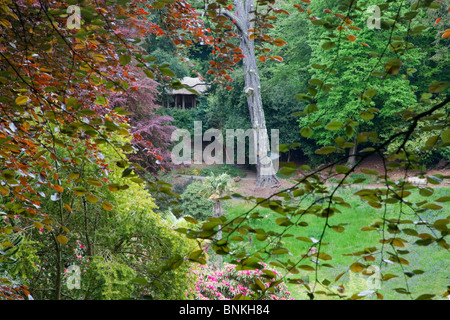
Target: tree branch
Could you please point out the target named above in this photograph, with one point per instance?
(234, 19)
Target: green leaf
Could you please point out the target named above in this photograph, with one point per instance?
(326, 150)
(370, 93)
(91, 198)
(113, 187)
(127, 172)
(438, 86)
(432, 206)
(304, 239)
(107, 206)
(431, 142)
(190, 219)
(334, 125)
(21, 100)
(441, 224)
(370, 171)
(158, 4)
(318, 66)
(311, 108)
(445, 136)
(306, 267)
(324, 256)
(124, 59)
(149, 74)
(167, 72)
(349, 131)
(426, 192)
(61, 239)
(100, 100)
(434, 180)
(338, 229)
(306, 132)
(141, 281)
(411, 15)
(94, 182)
(79, 191)
(342, 169)
(260, 284)
(392, 66)
(301, 96)
(402, 290)
(122, 111)
(315, 82)
(73, 176)
(366, 115)
(357, 267)
(287, 171)
(425, 297)
(328, 45)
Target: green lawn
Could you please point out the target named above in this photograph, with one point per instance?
(432, 259)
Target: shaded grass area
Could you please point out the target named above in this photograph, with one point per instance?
(433, 260)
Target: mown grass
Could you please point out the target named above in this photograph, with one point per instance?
(432, 259)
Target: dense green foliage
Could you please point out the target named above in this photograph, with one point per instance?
(112, 244)
(361, 83)
(194, 203)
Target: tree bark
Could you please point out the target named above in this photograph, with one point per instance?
(352, 153)
(242, 19)
(89, 247)
(58, 278)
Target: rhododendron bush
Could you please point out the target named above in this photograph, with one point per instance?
(229, 283)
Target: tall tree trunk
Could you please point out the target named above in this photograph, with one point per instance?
(89, 247)
(58, 278)
(352, 153)
(244, 9)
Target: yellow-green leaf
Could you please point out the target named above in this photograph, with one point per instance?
(357, 267)
(61, 239)
(38, 225)
(91, 198)
(107, 206)
(21, 100)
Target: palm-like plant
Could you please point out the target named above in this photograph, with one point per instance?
(215, 187)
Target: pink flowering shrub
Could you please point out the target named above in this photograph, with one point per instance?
(76, 256)
(227, 283)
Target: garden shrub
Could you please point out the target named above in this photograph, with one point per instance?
(231, 170)
(107, 279)
(227, 283)
(194, 204)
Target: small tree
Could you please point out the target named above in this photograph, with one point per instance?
(215, 187)
(194, 203)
